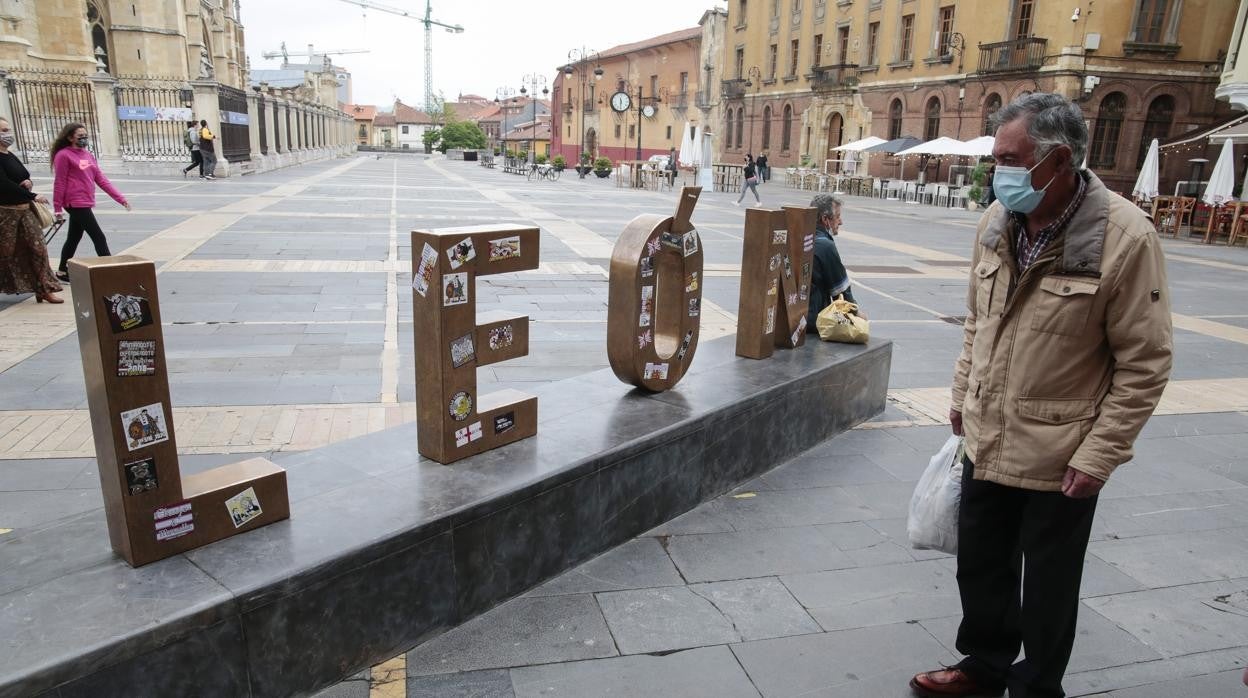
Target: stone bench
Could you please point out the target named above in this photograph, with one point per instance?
(385, 549)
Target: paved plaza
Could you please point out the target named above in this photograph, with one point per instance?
(287, 321)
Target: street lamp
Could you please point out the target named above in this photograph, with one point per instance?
(581, 58)
(501, 95)
(533, 80)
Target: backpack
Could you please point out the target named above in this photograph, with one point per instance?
(186, 139)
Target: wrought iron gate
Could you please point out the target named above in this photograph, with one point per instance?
(153, 115)
(263, 124)
(235, 141)
(43, 102)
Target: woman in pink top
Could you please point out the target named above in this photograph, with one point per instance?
(77, 173)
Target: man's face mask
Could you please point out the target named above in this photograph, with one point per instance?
(1012, 186)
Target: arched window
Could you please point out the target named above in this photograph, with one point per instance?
(931, 120)
(786, 129)
(740, 126)
(894, 120)
(728, 137)
(1156, 125)
(99, 34)
(767, 127)
(1104, 150)
(991, 106)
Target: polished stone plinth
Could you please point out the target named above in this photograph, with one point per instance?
(385, 549)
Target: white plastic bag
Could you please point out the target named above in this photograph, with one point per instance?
(933, 522)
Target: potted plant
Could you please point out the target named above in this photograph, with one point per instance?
(976, 192)
(602, 167)
(584, 167)
(805, 161)
(540, 159)
(559, 163)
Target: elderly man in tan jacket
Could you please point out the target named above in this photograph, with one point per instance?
(1066, 352)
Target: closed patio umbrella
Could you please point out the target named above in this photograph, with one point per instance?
(685, 155)
(1222, 180)
(1145, 188)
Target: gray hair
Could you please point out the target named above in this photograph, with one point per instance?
(1052, 120)
(825, 204)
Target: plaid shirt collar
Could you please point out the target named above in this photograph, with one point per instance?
(1026, 252)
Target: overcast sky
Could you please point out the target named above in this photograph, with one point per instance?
(503, 40)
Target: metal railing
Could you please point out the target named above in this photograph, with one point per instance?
(261, 105)
(235, 140)
(833, 77)
(735, 88)
(680, 100)
(160, 110)
(43, 102)
(1026, 53)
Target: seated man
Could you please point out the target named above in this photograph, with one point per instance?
(828, 278)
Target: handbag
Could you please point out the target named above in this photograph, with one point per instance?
(839, 323)
(44, 213)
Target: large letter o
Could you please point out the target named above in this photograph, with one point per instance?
(655, 298)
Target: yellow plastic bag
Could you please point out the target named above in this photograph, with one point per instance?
(838, 323)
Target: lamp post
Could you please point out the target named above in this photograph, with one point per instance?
(581, 59)
(754, 79)
(533, 80)
(501, 95)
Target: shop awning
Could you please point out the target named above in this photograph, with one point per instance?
(1207, 132)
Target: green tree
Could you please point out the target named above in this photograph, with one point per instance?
(430, 137)
(461, 134)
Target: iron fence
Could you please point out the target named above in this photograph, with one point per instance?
(235, 139)
(152, 119)
(43, 102)
(263, 125)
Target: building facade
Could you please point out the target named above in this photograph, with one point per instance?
(661, 77)
(411, 125)
(802, 77)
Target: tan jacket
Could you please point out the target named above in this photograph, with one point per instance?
(1064, 364)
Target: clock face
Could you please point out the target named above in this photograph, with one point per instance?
(647, 111)
(620, 101)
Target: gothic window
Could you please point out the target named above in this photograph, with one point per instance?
(728, 137)
(991, 105)
(931, 122)
(894, 120)
(1156, 125)
(767, 127)
(740, 126)
(1104, 150)
(99, 34)
(786, 129)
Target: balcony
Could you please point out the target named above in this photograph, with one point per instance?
(567, 108)
(589, 107)
(680, 100)
(703, 100)
(734, 89)
(1016, 55)
(829, 78)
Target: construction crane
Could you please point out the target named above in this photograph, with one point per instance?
(429, 23)
(285, 55)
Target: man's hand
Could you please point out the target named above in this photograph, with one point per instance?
(27, 184)
(1080, 485)
(955, 420)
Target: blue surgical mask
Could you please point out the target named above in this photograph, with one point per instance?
(1012, 186)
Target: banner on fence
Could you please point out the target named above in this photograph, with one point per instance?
(233, 117)
(130, 113)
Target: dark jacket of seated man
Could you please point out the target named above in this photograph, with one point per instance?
(828, 278)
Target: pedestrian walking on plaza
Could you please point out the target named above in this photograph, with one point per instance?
(749, 181)
(764, 171)
(1067, 349)
(828, 278)
(192, 141)
(77, 174)
(23, 255)
(207, 150)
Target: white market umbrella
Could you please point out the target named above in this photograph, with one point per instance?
(685, 155)
(860, 145)
(940, 146)
(1222, 179)
(980, 147)
(1145, 188)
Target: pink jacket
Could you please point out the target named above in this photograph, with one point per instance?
(77, 173)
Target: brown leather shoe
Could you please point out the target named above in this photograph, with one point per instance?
(948, 682)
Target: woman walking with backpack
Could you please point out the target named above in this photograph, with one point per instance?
(77, 174)
(191, 139)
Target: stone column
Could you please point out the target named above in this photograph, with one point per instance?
(6, 107)
(270, 123)
(207, 106)
(253, 125)
(108, 138)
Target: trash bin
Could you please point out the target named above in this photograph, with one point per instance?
(470, 155)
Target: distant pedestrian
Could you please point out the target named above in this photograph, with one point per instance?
(77, 174)
(23, 256)
(207, 149)
(191, 139)
(764, 170)
(749, 181)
